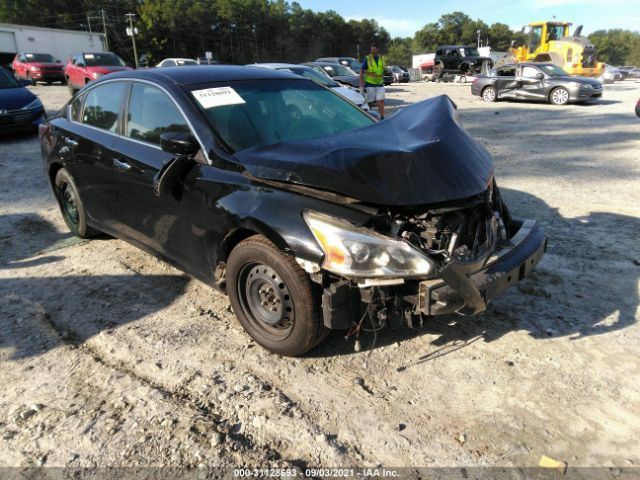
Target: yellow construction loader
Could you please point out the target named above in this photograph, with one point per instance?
(551, 42)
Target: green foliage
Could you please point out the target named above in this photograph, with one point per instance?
(617, 47)
(399, 52)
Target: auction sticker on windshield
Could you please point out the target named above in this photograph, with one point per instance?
(217, 97)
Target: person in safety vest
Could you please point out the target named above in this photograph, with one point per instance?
(371, 78)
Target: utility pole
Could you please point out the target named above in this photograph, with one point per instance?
(132, 31)
(89, 23)
(478, 38)
(104, 29)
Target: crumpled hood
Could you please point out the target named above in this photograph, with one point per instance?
(420, 155)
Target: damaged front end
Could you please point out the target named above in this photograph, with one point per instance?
(438, 237)
(447, 258)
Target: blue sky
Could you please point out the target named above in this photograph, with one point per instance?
(404, 17)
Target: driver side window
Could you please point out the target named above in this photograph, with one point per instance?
(152, 113)
(529, 72)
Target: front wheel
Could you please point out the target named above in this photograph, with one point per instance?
(273, 298)
(489, 94)
(559, 96)
(71, 206)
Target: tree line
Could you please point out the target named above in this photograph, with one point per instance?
(247, 31)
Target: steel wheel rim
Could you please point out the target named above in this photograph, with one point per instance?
(266, 301)
(489, 94)
(560, 96)
(69, 203)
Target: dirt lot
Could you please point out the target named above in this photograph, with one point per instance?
(110, 357)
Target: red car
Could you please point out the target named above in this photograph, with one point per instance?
(638, 108)
(81, 68)
(38, 67)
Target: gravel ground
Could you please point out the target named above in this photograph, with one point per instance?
(110, 357)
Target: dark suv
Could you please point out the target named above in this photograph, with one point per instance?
(460, 60)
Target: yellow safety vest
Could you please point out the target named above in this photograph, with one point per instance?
(375, 71)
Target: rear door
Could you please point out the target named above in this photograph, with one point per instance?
(85, 145)
(506, 81)
(163, 223)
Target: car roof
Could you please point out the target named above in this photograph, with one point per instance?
(177, 58)
(278, 65)
(324, 64)
(203, 74)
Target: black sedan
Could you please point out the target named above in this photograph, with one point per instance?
(535, 81)
(310, 214)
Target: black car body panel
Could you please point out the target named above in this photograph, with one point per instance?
(417, 178)
(408, 159)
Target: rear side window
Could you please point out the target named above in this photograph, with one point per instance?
(102, 107)
(152, 112)
(75, 108)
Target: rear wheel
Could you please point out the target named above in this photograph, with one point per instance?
(489, 94)
(71, 206)
(33, 80)
(273, 298)
(559, 96)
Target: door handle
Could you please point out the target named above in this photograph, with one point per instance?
(71, 142)
(120, 165)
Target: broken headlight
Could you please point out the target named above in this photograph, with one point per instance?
(359, 252)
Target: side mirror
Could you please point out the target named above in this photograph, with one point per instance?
(26, 82)
(540, 76)
(81, 65)
(184, 146)
(181, 144)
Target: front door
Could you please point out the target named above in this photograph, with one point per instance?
(530, 85)
(166, 224)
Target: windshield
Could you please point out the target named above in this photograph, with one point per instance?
(469, 52)
(7, 80)
(337, 70)
(251, 113)
(314, 75)
(103, 60)
(353, 65)
(553, 70)
(40, 57)
(396, 70)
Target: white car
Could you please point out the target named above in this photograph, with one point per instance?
(321, 78)
(611, 74)
(177, 62)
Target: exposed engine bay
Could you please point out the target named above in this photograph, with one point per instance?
(459, 237)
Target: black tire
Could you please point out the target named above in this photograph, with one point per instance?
(72, 89)
(489, 94)
(71, 206)
(33, 80)
(438, 73)
(559, 96)
(273, 298)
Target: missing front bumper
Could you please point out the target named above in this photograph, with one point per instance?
(457, 291)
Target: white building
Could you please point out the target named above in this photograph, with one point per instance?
(59, 43)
